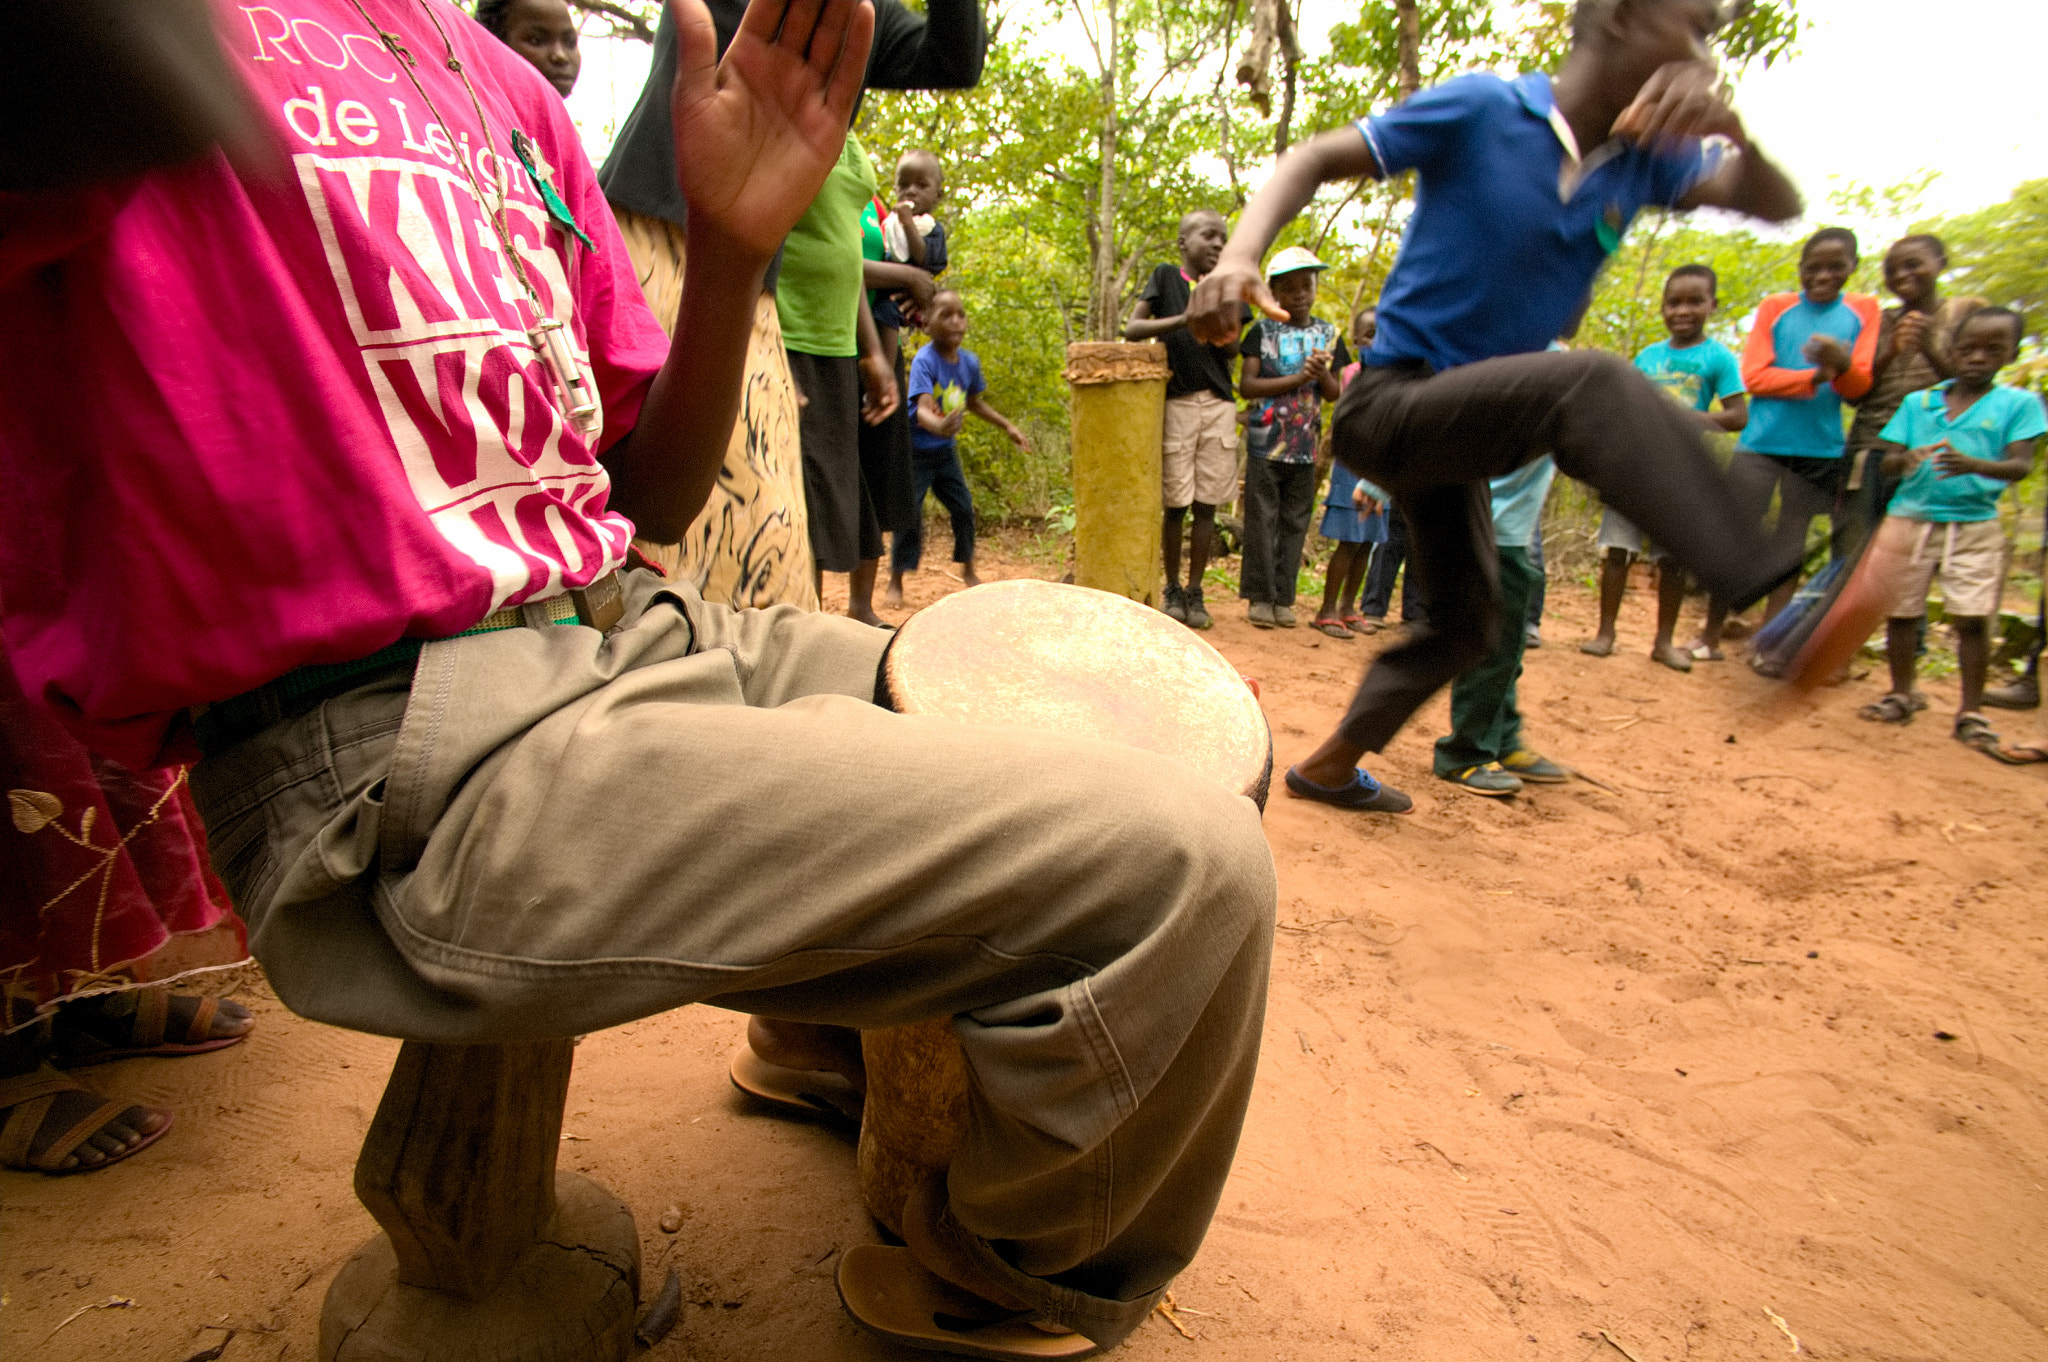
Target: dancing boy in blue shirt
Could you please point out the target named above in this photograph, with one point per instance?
(1524, 188)
(1966, 441)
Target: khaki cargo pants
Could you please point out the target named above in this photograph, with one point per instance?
(542, 832)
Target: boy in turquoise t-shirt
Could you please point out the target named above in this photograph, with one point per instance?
(1965, 441)
(1696, 371)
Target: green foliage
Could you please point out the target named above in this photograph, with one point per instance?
(2001, 253)
(1023, 160)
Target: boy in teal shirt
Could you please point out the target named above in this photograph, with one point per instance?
(1965, 441)
(1695, 370)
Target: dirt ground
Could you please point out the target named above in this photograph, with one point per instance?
(1740, 1053)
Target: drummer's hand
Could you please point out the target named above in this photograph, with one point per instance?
(1216, 313)
(757, 133)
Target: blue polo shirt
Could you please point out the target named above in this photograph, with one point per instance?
(2004, 416)
(1509, 226)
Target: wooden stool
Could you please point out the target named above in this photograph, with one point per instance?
(486, 1254)
(1068, 660)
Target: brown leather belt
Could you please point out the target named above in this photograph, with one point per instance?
(599, 606)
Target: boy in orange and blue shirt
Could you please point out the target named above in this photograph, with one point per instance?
(1808, 352)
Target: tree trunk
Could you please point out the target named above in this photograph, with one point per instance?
(1290, 63)
(1408, 44)
(1255, 67)
(1102, 295)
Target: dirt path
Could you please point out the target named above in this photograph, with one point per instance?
(1752, 1047)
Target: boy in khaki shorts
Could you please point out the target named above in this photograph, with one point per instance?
(1199, 458)
(1965, 441)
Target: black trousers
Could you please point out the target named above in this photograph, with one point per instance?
(1432, 440)
(1279, 501)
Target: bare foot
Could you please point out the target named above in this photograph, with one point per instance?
(1675, 658)
(968, 575)
(122, 1134)
(1600, 645)
(808, 1046)
(892, 598)
(868, 616)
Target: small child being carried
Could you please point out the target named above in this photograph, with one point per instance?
(909, 235)
(945, 384)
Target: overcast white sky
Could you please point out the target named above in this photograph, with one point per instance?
(1879, 90)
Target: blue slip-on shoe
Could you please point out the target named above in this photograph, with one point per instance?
(1363, 793)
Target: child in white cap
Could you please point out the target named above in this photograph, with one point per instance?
(1290, 370)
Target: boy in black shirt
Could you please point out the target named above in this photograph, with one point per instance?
(1199, 460)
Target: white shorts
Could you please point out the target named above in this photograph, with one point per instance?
(1968, 556)
(1199, 461)
(1617, 533)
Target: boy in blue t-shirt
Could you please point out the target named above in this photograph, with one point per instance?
(1524, 188)
(1965, 441)
(945, 384)
(1290, 369)
(1696, 371)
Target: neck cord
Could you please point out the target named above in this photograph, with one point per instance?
(579, 402)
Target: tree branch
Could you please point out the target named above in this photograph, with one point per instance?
(625, 22)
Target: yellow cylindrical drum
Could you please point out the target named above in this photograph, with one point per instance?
(1119, 402)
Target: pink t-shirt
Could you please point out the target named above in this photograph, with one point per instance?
(262, 416)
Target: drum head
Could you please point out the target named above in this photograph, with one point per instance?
(1072, 660)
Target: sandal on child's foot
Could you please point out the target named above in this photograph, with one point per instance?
(1334, 627)
(1974, 731)
(1892, 709)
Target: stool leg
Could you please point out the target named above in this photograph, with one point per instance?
(485, 1253)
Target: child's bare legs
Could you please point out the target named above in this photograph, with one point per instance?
(1670, 600)
(1973, 657)
(1613, 586)
(1201, 538)
(1169, 542)
(1902, 647)
(1354, 579)
(860, 591)
(1342, 560)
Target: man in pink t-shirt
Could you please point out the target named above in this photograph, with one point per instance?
(322, 456)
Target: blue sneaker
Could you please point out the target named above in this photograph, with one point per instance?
(1363, 793)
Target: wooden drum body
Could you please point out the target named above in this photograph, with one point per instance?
(1072, 661)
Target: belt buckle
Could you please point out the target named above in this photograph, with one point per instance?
(601, 604)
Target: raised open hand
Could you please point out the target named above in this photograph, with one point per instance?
(757, 133)
(1681, 99)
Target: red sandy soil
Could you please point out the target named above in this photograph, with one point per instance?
(1744, 1043)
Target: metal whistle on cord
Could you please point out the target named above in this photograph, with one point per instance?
(579, 403)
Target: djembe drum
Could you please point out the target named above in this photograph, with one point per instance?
(1072, 661)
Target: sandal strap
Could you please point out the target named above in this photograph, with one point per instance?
(152, 1011)
(53, 1155)
(24, 1119)
(200, 1026)
(43, 1082)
